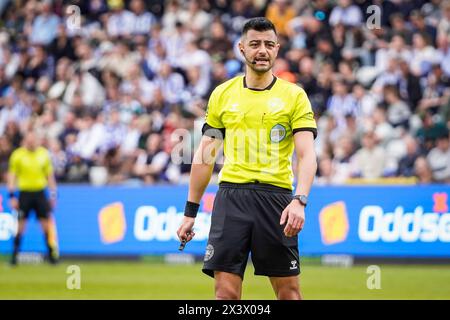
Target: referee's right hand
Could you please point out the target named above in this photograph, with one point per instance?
(185, 230)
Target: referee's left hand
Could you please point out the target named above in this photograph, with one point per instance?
(294, 214)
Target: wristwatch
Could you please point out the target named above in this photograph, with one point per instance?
(302, 199)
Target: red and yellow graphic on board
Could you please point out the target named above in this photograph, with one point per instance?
(112, 223)
(440, 202)
(208, 202)
(334, 224)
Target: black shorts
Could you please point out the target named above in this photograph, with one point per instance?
(36, 201)
(246, 219)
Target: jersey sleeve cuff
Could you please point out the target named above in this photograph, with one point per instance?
(313, 130)
(216, 133)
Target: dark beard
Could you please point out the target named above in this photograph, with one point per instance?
(259, 70)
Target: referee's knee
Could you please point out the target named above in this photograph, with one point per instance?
(224, 292)
(227, 286)
(286, 288)
(289, 292)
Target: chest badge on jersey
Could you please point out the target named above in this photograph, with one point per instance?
(277, 133)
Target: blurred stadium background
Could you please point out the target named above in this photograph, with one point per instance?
(108, 84)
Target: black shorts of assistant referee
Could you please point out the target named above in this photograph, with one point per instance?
(33, 201)
(246, 219)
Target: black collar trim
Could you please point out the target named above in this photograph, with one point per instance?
(266, 88)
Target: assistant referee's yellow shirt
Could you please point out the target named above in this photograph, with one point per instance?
(31, 168)
(259, 127)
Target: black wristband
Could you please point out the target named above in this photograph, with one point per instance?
(191, 209)
(12, 195)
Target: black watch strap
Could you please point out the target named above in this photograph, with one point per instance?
(302, 199)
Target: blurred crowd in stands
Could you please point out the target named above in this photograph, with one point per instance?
(108, 83)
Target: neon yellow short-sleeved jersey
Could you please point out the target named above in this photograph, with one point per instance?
(259, 126)
(31, 168)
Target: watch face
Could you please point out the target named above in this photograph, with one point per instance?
(303, 199)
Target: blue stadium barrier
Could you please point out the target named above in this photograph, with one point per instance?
(382, 221)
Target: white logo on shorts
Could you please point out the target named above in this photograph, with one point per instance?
(209, 252)
(293, 265)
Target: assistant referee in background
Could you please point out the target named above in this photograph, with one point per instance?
(31, 174)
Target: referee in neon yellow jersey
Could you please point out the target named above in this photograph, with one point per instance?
(30, 169)
(260, 119)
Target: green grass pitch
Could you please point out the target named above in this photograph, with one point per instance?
(150, 280)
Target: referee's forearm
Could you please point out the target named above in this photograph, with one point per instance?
(11, 182)
(199, 179)
(306, 172)
(202, 167)
(52, 183)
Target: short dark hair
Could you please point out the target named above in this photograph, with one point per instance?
(258, 24)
